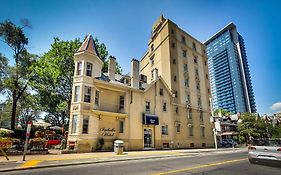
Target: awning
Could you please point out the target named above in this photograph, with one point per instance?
(149, 119)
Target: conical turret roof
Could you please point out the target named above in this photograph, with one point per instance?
(89, 46)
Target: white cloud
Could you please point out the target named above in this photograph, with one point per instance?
(276, 106)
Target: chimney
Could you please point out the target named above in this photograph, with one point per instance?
(111, 67)
(135, 69)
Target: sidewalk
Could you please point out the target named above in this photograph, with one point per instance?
(55, 160)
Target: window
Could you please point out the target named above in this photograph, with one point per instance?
(165, 130)
(176, 94)
(161, 92)
(76, 93)
(186, 82)
(85, 125)
(79, 68)
(191, 145)
(196, 72)
(121, 102)
(185, 68)
(203, 144)
(190, 128)
(173, 45)
(172, 31)
(178, 127)
(174, 61)
(184, 53)
(177, 110)
(199, 101)
(207, 77)
(89, 69)
(189, 113)
(203, 131)
(208, 90)
(164, 106)
(74, 124)
(154, 74)
(121, 126)
(194, 45)
(183, 39)
(87, 96)
(205, 63)
(201, 116)
(195, 59)
(198, 86)
(175, 78)
(187, 98)
(152, 60)
(147, 106)
(152, 47)
(97, 96)
(143, 78)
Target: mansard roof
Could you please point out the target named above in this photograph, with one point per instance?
(89, 46)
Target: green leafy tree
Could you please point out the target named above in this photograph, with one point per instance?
(16, 80)
(3, 70)
(53, 78)
(222, 111)
(251, 127)
(103, 53)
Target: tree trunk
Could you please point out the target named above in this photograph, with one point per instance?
(14, 110)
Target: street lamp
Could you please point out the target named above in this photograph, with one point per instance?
(212, 119)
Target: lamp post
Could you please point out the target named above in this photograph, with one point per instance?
(212, 119)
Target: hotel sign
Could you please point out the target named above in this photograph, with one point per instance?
(149, 119)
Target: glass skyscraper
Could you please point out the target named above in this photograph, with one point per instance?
(230, 78)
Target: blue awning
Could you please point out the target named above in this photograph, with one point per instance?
(149, 119)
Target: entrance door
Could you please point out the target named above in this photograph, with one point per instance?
(147, 138)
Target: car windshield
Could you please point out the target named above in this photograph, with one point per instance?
(267, 142)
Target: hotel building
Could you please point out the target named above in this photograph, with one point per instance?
(163, 103)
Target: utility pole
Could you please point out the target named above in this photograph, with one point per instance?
(29, 123)
(213, 121)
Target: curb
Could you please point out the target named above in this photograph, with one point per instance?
(184, 154)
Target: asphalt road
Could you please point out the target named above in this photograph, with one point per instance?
(208, 163)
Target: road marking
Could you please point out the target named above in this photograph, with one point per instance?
(30, 163)
(200, 166)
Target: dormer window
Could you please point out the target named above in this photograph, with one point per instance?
(79, 68)
(89, 69)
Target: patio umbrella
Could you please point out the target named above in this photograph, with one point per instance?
(7, 130)
(41, 123)
(55, 128)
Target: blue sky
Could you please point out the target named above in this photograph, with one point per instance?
(125, 26)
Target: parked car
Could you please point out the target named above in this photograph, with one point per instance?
(228, 143)
(265, 151)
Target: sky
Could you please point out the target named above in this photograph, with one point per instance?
(125, 27)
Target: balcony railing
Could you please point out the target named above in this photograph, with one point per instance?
(109, 107)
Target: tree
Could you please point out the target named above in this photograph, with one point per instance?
(27, 109)
(251, 127)
(103, 53)
(3, 70)
(53, 78)
(222, 111)
(16, 82)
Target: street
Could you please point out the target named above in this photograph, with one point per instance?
(204, 163)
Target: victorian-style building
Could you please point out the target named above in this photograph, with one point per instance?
(163, 103)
